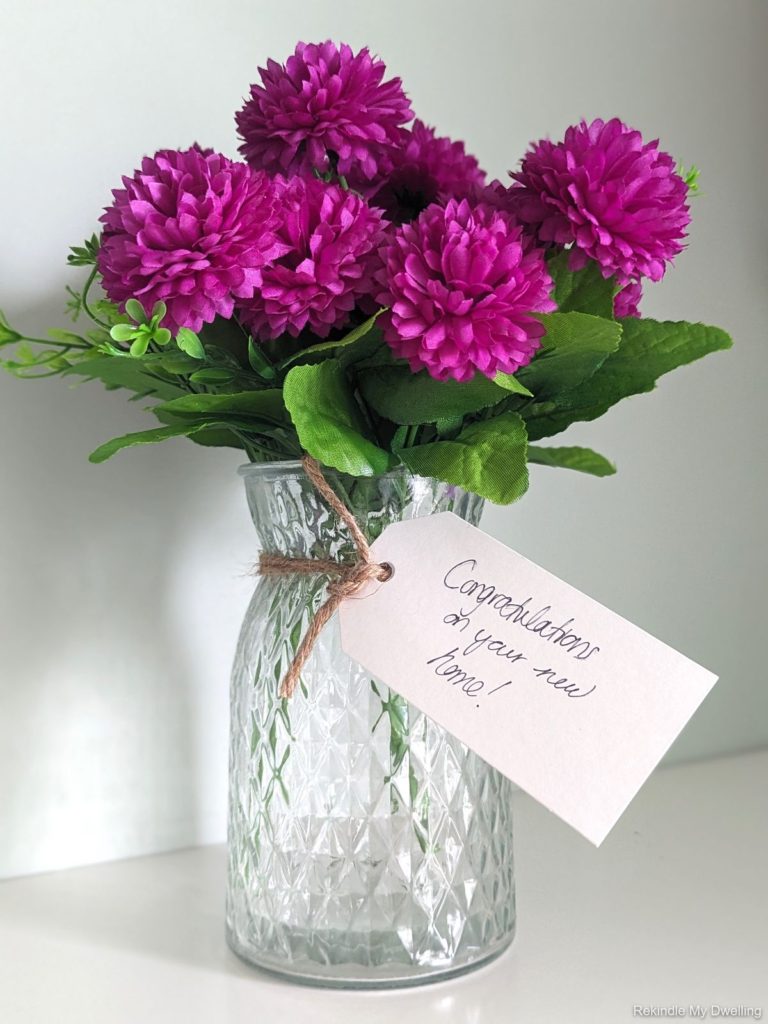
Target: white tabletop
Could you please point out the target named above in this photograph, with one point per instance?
(670, 911)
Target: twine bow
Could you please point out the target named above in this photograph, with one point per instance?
(349, 576)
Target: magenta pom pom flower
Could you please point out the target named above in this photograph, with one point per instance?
(191, 229)
(627, 300)
(330, 239)
(461, 284)
(428, 169)
(326, 109)
(614, 198)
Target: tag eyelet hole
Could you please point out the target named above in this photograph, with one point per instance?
(388, 571)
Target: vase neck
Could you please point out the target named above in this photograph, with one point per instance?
(291, 518)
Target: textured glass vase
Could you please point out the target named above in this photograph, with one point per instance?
(367, 846)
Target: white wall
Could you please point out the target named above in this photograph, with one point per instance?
(121, 586)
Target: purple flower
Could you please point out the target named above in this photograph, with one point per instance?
(615, 199)
(330, 239)
(192, 229)
(627, 300)
(326, 109)
(427, 170)
(461, 284)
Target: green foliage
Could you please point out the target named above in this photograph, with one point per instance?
(349, 402)
(216, 375)
(106, 451)
(488, 458)
(582, 459)
(189, 342)
(690, 177)
(84, 255)
(399, 395)
(144, 377)
(7, 335)
(329, 422)
(262, 410)
(649, 349)
(575, 345)
(145, 330)
(581, 291)
(259, 363)
(510, 383)
(355, 345)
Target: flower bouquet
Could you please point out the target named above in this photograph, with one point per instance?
(355, 290)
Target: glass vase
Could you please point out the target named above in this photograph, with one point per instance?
(367, 846)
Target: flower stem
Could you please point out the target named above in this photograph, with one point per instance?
(84, 299)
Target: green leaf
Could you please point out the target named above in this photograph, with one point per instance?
(158, 311)
(329, 422)
(511, 383)
(122, 332)
(259, 362)
(582, 291)
(189, 342)
(106, 451)
(214, 375)
(216, 437)
(174, 362)
(84, 255)
(123, 372)
(323, 347)
(488, 458)
(649, 348)
(402, 396)
(690, 176)
(582, 459)
(161, 335)
(136, 311)
(107, 310)
(7, 335)
(263, 408)
(139, 345)
(68, 337)
(574, 347)
(449, 427)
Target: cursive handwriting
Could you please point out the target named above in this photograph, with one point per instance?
(518, 612)
(449, 668)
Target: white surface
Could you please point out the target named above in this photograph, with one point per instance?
(120, 587)
(670, 911)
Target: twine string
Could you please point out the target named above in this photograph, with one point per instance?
(349, 577)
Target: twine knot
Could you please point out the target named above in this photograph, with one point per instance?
(349, 577)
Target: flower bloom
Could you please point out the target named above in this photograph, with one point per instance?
(427, 169)
(461, 284)
(627, 300)
(614, 198)
(191, 229)
(326, 109)
(330, 239)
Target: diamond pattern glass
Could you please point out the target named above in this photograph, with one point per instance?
(367, 846)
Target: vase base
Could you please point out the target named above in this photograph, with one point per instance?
(361, 976)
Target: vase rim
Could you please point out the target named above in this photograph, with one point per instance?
(292, 469)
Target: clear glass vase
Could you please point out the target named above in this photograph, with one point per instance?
(367, 846)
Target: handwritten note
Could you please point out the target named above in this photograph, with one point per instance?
(570, 701)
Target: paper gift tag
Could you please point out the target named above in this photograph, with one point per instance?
(570, 701)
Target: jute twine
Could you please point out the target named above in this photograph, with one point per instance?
(349, 577)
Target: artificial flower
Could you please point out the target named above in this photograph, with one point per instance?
(612, 197)
(427, 169)
(326, 110)
(461, 286)
(330, 239)
(192, 230)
